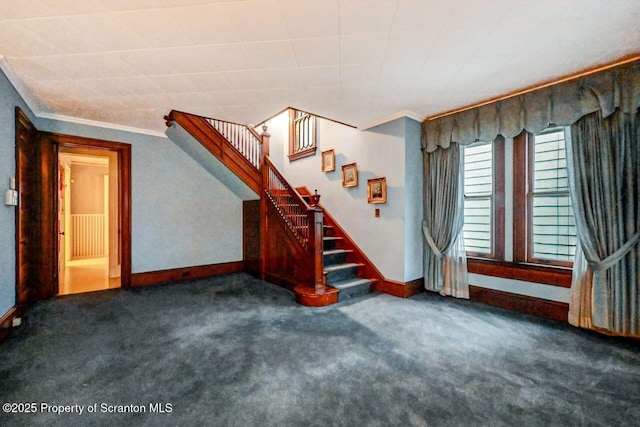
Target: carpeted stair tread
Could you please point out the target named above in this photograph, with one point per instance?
(343, 284)
(339, 272)
(337, 251)
(344, 266)
(352, 288)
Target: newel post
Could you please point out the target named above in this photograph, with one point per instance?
(317, 217)
(264, 253)
(264, 229)
(265, 141)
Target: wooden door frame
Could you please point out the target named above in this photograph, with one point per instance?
(36, 158)
(123, 152)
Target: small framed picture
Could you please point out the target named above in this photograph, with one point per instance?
(328, 161)
(350, 175)
(377, 190)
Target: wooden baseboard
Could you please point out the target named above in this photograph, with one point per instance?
(196, 272)
(252, 266)
(399, 289)
(525, 304)
(6, 323)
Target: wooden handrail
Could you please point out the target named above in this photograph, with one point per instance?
(292, 239)
(244, 159)
(242, 138)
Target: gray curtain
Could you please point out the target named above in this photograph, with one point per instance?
(443, 217)
(603, 157)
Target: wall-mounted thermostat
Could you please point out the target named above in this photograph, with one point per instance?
(11, 195)
(11, 198)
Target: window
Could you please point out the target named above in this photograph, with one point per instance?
(543, 243)
(553, 228)
(478, 198)
(545, 230)
(483, 207)
(302, 134)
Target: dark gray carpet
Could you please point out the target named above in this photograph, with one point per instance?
(235, 351)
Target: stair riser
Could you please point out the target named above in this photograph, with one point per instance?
(334, 259)
(329, 244)
(342, 274)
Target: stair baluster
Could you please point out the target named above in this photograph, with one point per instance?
(244, 139)
(292, 231)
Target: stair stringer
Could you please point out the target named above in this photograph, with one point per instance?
(211, 163)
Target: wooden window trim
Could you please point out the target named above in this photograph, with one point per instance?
(523, 154)
(521, 268)
(302, 154)
(536, 273)
(311, 151)
(520, 205)
(497, 204)
(498, 196)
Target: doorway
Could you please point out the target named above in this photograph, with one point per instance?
(88, 244)
(39, 223)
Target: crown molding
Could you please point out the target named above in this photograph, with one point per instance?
(96, 123)
(36, 107)
(386, 119)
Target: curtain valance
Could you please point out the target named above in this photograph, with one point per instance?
(562, 104)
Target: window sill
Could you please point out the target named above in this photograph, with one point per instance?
(548, 275)
(302, 154)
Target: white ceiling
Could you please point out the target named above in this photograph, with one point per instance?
(129, 62)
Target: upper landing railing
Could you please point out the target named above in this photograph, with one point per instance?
(237, 146)
(246, 154)
(243, 138)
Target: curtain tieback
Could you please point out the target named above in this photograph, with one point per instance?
(605, 264)
(432, 244)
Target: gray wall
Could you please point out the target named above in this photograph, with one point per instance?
(413, 166)
(181, 215)
(9, 99)
(390, 150)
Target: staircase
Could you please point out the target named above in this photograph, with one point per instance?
(342, 270)
(301, 247)
(340, 273)
(231, 152)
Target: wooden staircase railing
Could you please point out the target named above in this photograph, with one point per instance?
(243, 138)
(237, 146)
(291, 206)
(294, 259)
(291, 235)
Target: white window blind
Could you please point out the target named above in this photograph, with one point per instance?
(554, 230)
(478, 198)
